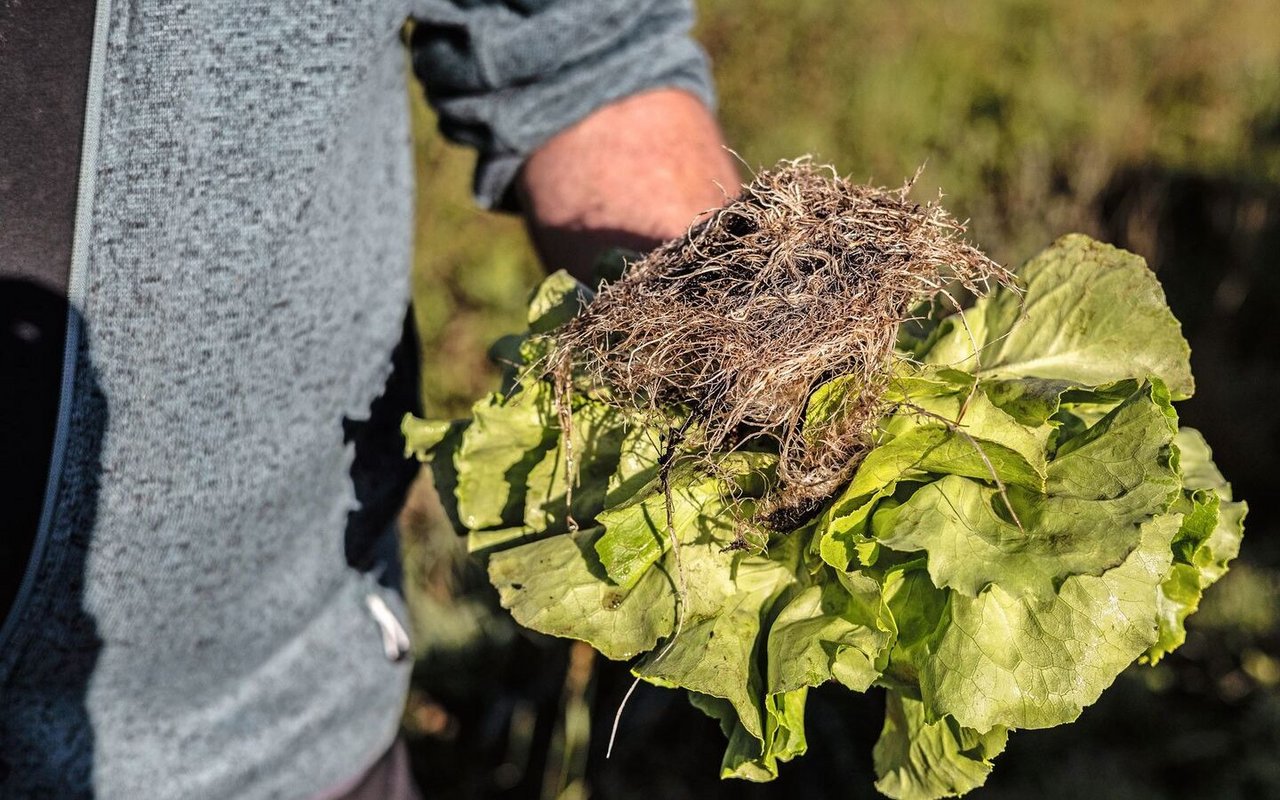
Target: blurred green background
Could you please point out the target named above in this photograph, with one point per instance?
(1154, 126)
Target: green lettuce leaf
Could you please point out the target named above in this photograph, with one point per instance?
(509, 480)
(1093, 315)
(1103, 486)
(718, 660)
(842, 540)
(557, 586)
(506, 439)
(436, 443)
(559, 298)
(560, 586)
(950, 429)
(919, 760)
(711, 506)
(1222, 545)
(423, 436)
(719, 647)
(1035, 401)
(1030, 662)
(918, 610)
(830, 630)
(982, 440)
(1208, 540)
(598, 435)
(745, 757)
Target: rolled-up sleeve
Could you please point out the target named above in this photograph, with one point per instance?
(504, 77)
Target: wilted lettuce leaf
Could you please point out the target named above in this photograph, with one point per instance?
(917, 760)
(1093, 315)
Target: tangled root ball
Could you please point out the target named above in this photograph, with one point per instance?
(802, 278)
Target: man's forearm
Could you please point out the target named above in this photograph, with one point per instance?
(633, 174)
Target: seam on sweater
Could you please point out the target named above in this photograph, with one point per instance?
(85, 191)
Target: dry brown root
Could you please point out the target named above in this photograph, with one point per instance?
(803, 277)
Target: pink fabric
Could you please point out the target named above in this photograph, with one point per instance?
(388, 779)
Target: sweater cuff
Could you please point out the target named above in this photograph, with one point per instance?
(493, 185)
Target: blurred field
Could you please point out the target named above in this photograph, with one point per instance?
(1154, 126)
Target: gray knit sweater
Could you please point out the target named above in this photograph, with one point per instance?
(200, 616)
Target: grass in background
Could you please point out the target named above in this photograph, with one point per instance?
(1022, 111)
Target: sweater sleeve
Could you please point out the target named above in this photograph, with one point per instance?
(504, 77)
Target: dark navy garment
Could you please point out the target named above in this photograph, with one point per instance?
(44, 68)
